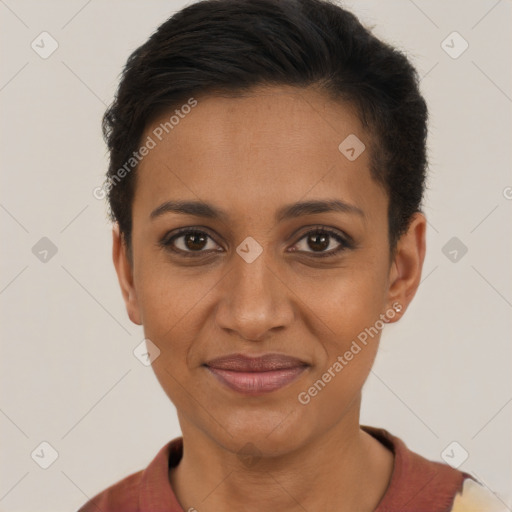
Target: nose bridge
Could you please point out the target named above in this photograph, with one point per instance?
(253, 281)
(254, 301)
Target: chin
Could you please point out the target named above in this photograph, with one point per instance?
(269, 433)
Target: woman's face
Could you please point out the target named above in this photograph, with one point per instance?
(260, 275)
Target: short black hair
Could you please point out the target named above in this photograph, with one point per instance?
(232, 46)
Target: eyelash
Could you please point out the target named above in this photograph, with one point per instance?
(167, 242)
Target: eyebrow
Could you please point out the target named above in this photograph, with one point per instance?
(197, 208)
(201, 209)
(316, 206)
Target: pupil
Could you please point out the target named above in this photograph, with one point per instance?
(195, 241)
(318, 241)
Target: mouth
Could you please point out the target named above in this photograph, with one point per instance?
(256, 375)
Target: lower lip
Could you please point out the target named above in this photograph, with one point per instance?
(256, 383)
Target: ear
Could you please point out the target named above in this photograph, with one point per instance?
(406, 267)
(125, 275)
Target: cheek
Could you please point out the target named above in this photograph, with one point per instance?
(350, 307)
(349, 301)
(173, 314)
(168, 295)
(176, 305)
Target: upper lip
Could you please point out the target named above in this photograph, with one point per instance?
(263, 363)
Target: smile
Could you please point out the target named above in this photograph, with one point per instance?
(256, 375)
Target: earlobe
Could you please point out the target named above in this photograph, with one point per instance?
(405, 271)
(124, 272)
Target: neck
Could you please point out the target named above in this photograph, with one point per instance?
(345, 469)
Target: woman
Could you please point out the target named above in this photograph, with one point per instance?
(267, 170)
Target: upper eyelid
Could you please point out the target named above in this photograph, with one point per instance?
(183, 231)
(342, 239)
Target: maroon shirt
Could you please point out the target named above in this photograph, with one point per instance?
(417, 484)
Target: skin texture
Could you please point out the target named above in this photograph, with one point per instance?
(250, 156)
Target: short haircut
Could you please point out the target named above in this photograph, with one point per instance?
(232, 46)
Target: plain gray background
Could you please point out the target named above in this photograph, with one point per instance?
(68, 373)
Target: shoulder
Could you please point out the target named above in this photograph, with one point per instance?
(122, 495)
(476, 498)
(421, 485)
(143, 491)
(417, 484)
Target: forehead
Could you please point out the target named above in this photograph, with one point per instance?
(267, 146)
(265, 118)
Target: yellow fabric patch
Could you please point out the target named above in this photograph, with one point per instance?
(476, 498)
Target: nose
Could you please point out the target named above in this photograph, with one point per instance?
(255, 302)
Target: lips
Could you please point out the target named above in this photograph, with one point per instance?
(256, 375)
(265, 363)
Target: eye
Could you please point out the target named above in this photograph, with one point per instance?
(190, 242)
(318, 242)
(322, 242)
